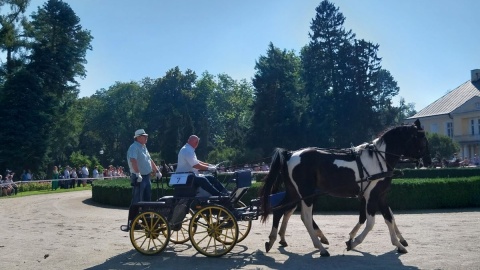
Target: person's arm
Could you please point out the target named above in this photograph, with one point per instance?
(154, 166)
(203, 166)
(134, 166)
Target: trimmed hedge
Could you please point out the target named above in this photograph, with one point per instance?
(439, 173)
(405, 194)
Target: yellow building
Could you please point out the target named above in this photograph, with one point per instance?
(457, 115)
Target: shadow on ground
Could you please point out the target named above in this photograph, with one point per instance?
(239, 257)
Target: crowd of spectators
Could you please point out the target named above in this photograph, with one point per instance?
(73, 177)
(8, 186)
(256, 167)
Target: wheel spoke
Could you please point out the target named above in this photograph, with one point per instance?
(149, 233)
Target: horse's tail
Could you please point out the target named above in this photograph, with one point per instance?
(277, 169)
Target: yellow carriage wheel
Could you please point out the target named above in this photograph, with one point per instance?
(149, 233)
(213, 231)
(181, 235)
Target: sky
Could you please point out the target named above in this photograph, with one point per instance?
(428, 46)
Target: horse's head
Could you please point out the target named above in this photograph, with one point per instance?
(417, 146)
(408, 141)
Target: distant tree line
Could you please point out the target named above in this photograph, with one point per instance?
(333, 93)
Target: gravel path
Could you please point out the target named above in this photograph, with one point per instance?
(69, 231)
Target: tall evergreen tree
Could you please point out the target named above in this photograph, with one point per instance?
(347, 88)
(56, 57)
(11, 31)
(278, 105)
(323, 74)
(24, 124)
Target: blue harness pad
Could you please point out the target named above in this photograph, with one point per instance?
(275, 199)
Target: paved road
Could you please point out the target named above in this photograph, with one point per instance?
(69, 231)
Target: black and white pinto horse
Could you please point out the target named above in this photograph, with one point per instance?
(364, 171)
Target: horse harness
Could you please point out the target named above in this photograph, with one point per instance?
(363, 171)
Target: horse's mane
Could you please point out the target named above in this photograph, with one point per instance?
(402, 127)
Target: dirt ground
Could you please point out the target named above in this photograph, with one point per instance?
(69, 231)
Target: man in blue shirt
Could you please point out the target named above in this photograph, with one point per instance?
(188, 162)
(141, 165)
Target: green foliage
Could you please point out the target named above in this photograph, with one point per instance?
(333, 93)
(442, 146)
(279, 104)
(348, 91)
(405, 194)
(77, 159)
(34, 186)
(440, 173)
(44, 57)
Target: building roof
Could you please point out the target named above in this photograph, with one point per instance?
(451, 101)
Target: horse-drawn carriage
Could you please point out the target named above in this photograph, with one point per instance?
(213, 224)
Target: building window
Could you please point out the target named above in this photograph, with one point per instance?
(472, 127)
(450, 129)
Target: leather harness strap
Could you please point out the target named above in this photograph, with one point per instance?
(362, 170)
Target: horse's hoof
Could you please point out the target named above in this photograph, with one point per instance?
(349, 244)
(404, 243)
(402, 251)
(267, 246)
(283, 243)
(325, 254)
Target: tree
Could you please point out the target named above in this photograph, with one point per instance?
(347, 89)
(111, 118)
(279, 102)
(323, 73)
(24, 134)
(170, 113)
(11, 40)
(229, 114)
(58, 49)
(442, 146)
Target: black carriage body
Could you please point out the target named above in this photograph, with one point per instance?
(185, 201)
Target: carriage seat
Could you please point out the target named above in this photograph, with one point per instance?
(243, 180)
(183, 184)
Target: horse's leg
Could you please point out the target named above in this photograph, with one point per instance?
(392, 228)
(361, 220)
(283, 228)
(319, 233)
(286, 216)
(370, 210)
(397, 232)
(277, 215)
(308, 222)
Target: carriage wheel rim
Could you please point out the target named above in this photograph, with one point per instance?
(216, 231)
(149, 233)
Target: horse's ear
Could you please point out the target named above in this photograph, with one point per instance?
(417, 124)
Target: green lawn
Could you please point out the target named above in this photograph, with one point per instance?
(46, 191)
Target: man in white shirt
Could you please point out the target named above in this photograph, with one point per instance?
(188, 162)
